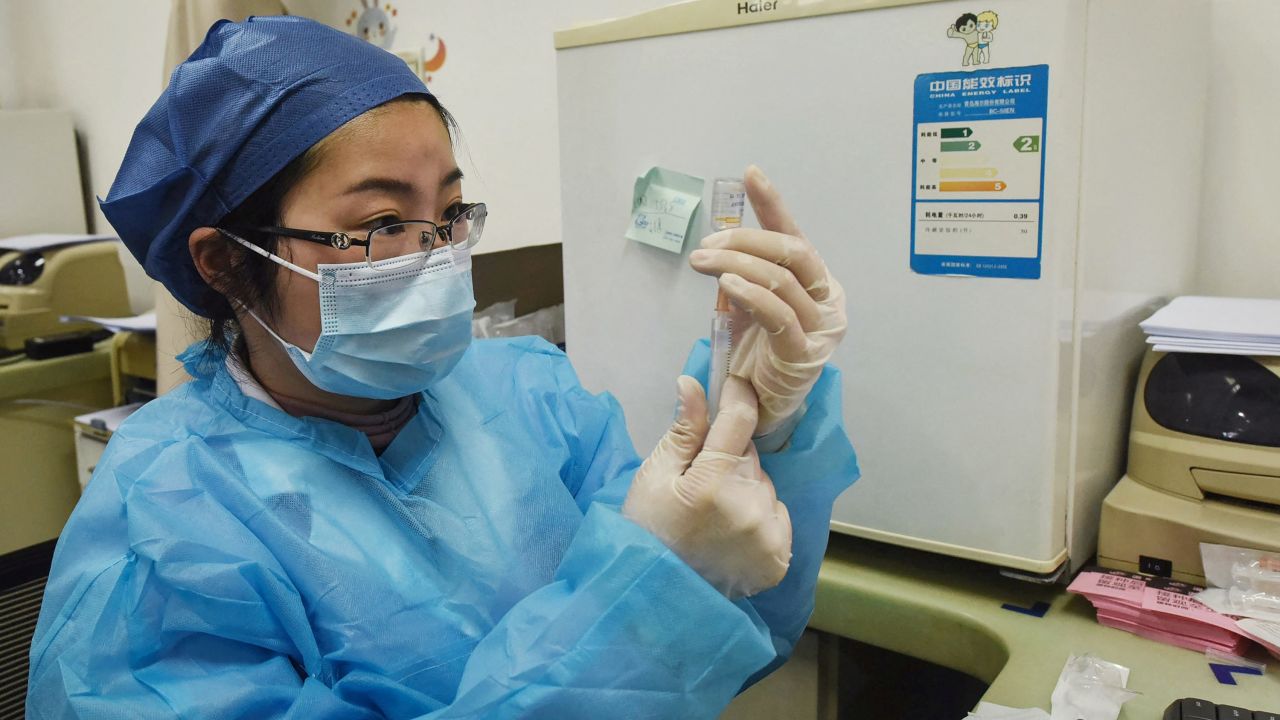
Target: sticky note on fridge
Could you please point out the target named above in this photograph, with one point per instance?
(662, 208)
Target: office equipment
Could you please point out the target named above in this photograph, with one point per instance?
(92, 433)
(43, 347)
(38, 399)
(39, 286)
(133, 367)
(1197, 709)
(1204, 464)
(989, 411)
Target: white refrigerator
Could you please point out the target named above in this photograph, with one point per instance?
(1003, 189)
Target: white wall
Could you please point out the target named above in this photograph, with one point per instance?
(104, 62)
(1239, 231)
(8, 56)
(499, 81)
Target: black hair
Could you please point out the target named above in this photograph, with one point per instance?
(249, 279)
(966, 19)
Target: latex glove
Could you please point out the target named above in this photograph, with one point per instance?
(703, 493)
(789, 312)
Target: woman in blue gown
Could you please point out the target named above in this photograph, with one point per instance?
(353, 511)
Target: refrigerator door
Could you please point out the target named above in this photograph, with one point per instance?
(956, 389)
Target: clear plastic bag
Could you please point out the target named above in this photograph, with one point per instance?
(1250, 579)
(547, 323)
(1090, 688)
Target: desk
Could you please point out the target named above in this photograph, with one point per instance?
(38, 486)
(948, 611)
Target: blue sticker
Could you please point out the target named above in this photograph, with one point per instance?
(977, 172)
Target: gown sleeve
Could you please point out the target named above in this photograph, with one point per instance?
(812, 467)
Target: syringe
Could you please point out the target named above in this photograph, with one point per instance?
(728, 200)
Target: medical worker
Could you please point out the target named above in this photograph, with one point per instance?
(353, 511)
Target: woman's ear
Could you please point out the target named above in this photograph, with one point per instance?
(209, 251)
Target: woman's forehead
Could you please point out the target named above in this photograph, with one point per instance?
(406, 140)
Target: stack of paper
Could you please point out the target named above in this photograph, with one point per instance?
(144, 323)
(1159, 609)
(1228, 326)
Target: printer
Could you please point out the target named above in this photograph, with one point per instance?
(38, 285)
(1204, 464)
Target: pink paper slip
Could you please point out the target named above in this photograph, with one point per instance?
(1190, 643)
(1095, 582)
(1159, 609)
(1170, 597)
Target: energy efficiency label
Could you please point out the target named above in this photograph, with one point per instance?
(977, 174)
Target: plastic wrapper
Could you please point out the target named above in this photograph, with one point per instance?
(991, 711)
(482, 321)
(1090, 688)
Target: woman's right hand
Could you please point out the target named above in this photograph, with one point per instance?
(703, 493)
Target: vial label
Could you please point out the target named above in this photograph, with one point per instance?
(727, 209)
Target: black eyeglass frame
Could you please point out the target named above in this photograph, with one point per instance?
(342, 241)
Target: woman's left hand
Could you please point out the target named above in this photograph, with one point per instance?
(789, 313)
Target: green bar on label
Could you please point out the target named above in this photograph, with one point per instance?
(961, 146)
(1027, 143)
(956, 132)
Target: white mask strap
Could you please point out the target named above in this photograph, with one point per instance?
(283, 343)
(273, 258)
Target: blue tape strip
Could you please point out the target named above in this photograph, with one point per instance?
(1037, 610)
(1224, 672)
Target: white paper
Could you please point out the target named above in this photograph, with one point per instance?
(45, 241)
(146, 322)
(1211, 344)
(1264, 633)
(1214, 351)
(1164, 343)
(1218, 318)
(111, 417)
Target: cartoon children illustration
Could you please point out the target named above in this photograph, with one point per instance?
(987, 21)
(966, 28)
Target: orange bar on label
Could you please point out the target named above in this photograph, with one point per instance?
(972, 186)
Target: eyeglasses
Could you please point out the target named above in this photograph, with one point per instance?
(397, 239)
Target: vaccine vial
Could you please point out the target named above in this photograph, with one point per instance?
(728, 201)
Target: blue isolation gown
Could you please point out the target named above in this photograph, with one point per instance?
(230, 560)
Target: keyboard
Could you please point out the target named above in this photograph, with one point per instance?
(1194, 709)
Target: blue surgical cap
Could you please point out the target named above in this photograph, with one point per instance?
(254, 96)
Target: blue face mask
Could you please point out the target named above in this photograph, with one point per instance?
(388, 332)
